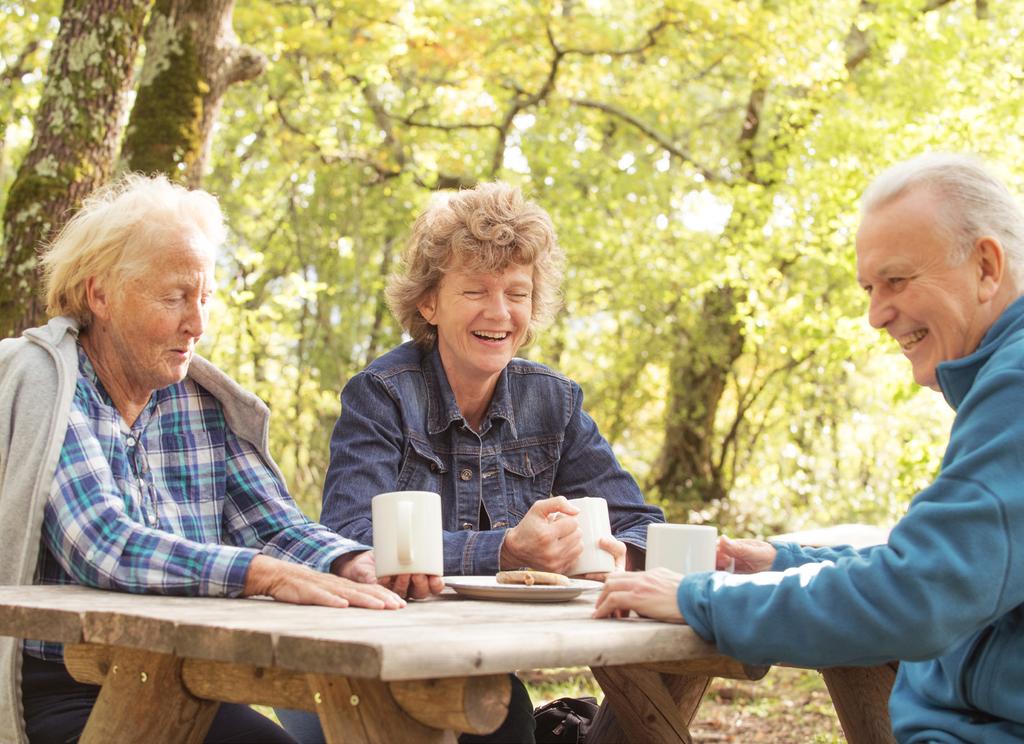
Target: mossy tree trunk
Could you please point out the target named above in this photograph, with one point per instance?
(688, 474)
(77, 130)
(192, 57)
(691, 472)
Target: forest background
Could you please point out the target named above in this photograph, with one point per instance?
(701, 160)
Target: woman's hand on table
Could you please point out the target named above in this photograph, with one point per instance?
(298, 584)
(648, 593)
(356, 567)
(361, 567)
(413, 586)
(548, 538)
(618, 550)
(744, 556)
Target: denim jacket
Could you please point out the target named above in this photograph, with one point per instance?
(401, 429)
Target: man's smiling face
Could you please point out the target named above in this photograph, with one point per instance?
(930, 305)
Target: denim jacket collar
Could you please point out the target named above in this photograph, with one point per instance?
(442, 413)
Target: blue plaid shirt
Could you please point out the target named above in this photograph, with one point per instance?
(174, 504)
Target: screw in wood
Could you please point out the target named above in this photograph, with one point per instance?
(354, 700)
(143, 676)
(317, 698)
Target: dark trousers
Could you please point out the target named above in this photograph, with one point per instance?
(57, 707)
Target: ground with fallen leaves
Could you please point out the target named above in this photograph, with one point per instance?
(788, 706)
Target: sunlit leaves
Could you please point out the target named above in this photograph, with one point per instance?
(641, 144)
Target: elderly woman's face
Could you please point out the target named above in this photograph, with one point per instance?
(154, 323)
(481, 320)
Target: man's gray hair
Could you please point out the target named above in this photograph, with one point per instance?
(974, 203)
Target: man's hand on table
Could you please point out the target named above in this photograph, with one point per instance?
(298, 584)
(548, 538)
(413, 586)
(744, 556)
(648, 593)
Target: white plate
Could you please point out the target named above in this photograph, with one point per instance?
(487, 587)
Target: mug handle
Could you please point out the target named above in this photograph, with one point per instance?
(405, 532)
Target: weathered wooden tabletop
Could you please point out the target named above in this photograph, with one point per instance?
(446, 636)
(423, 673)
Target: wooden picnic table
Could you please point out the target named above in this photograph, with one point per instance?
(423, 673)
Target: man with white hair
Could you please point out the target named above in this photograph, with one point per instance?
(940, 253)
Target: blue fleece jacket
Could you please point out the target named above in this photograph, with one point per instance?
(944, 596)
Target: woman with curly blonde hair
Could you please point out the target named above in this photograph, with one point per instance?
(454, 411)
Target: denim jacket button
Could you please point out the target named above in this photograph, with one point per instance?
(433, 467)
(467, 526)
(465, 474)
(499, 524)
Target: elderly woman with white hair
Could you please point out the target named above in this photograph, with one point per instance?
(130, 463)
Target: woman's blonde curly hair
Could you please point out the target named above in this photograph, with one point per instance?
(484, 229)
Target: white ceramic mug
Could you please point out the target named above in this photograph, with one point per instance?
(683, 548)
(407, 533)
(593, 519)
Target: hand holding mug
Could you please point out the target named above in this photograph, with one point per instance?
(355, 567)
(617, 549)
(548, 538)
(413, 586)
(407, 542)
(602, 553)
(744, 556)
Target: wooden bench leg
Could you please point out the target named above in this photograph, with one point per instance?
(363, 711)
(143, 699)
(861, 699)
(644, 705)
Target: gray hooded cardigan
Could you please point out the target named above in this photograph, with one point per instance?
(38, 374)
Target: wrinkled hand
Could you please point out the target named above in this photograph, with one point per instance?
(413, 586)
(298, 584)
(358, 567)
(548, 538)
(744, 556)
(647, 593)
(618, 550)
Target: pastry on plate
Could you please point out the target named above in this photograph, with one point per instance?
(529, 577)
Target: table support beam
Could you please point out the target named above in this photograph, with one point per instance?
(363, 711)
(860, 696)
(475, 705)
(645, 705)
(162, 711)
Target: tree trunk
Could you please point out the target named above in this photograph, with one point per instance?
(192, 57)
(77, 130)
(686, 474)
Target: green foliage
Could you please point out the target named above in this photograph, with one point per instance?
(626, 125)
(26, 33)
(680, 147)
